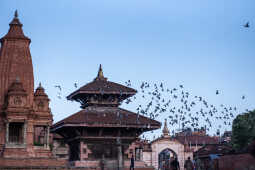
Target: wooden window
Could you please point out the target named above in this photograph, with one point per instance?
(16, 132)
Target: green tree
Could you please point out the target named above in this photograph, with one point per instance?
(243, 130)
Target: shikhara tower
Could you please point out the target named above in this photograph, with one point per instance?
(25, 116)
(16, 61)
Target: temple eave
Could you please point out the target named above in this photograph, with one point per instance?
(144, 127)
(75, 94)
(103, 138)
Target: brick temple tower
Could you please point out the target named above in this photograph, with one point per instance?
(25, 116)
(16, 61)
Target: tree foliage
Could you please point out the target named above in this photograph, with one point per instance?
(243, 130)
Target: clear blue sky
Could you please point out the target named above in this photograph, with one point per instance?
(200, 44)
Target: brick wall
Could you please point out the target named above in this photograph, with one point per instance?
(45, 164)
(237, 162)
(61, 168)
(32, 162)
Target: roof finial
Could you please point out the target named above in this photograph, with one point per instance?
(40, 84)
(100, 74)
(16, 13)
(15, 20)
(165, 129)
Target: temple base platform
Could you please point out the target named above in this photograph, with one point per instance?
(60, 164)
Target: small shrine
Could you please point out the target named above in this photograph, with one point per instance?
(100, 134)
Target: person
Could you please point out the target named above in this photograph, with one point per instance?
(132, 163)
(193, 163)
(188, 165)
(102, 162)
(175, 164)
(198, 164)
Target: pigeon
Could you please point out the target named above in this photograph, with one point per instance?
(58, 86)
(75, 85)
(217, 92)
(247, 25)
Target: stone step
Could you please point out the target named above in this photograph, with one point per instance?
(144, 168)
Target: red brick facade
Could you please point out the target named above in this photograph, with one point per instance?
(22, 110)
(16, 62)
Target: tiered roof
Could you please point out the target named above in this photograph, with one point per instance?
(108, 117)
(101, 86)
(100, 109)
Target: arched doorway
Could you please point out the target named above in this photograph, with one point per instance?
(165, 157)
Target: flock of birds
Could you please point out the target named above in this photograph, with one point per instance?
(179, 106)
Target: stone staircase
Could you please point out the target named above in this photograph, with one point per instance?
(139, 165)
(144, 168)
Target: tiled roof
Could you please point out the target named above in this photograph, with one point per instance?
(107, 117)
(213, 149)
(103, 87)
(143, 144)
(197, 139)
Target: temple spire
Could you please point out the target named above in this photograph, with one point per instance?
(16, 13)
(165, 130)
(14, 58)
(100, 74)
(15, 20)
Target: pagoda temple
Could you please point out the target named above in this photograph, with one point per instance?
(100, 134)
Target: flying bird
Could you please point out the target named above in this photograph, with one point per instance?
(217, 92)
(247, 25)
(58, 86)
(75, 85)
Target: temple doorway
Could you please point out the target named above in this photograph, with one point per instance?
(165, 157)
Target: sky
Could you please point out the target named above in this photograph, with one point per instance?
(200, 44)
